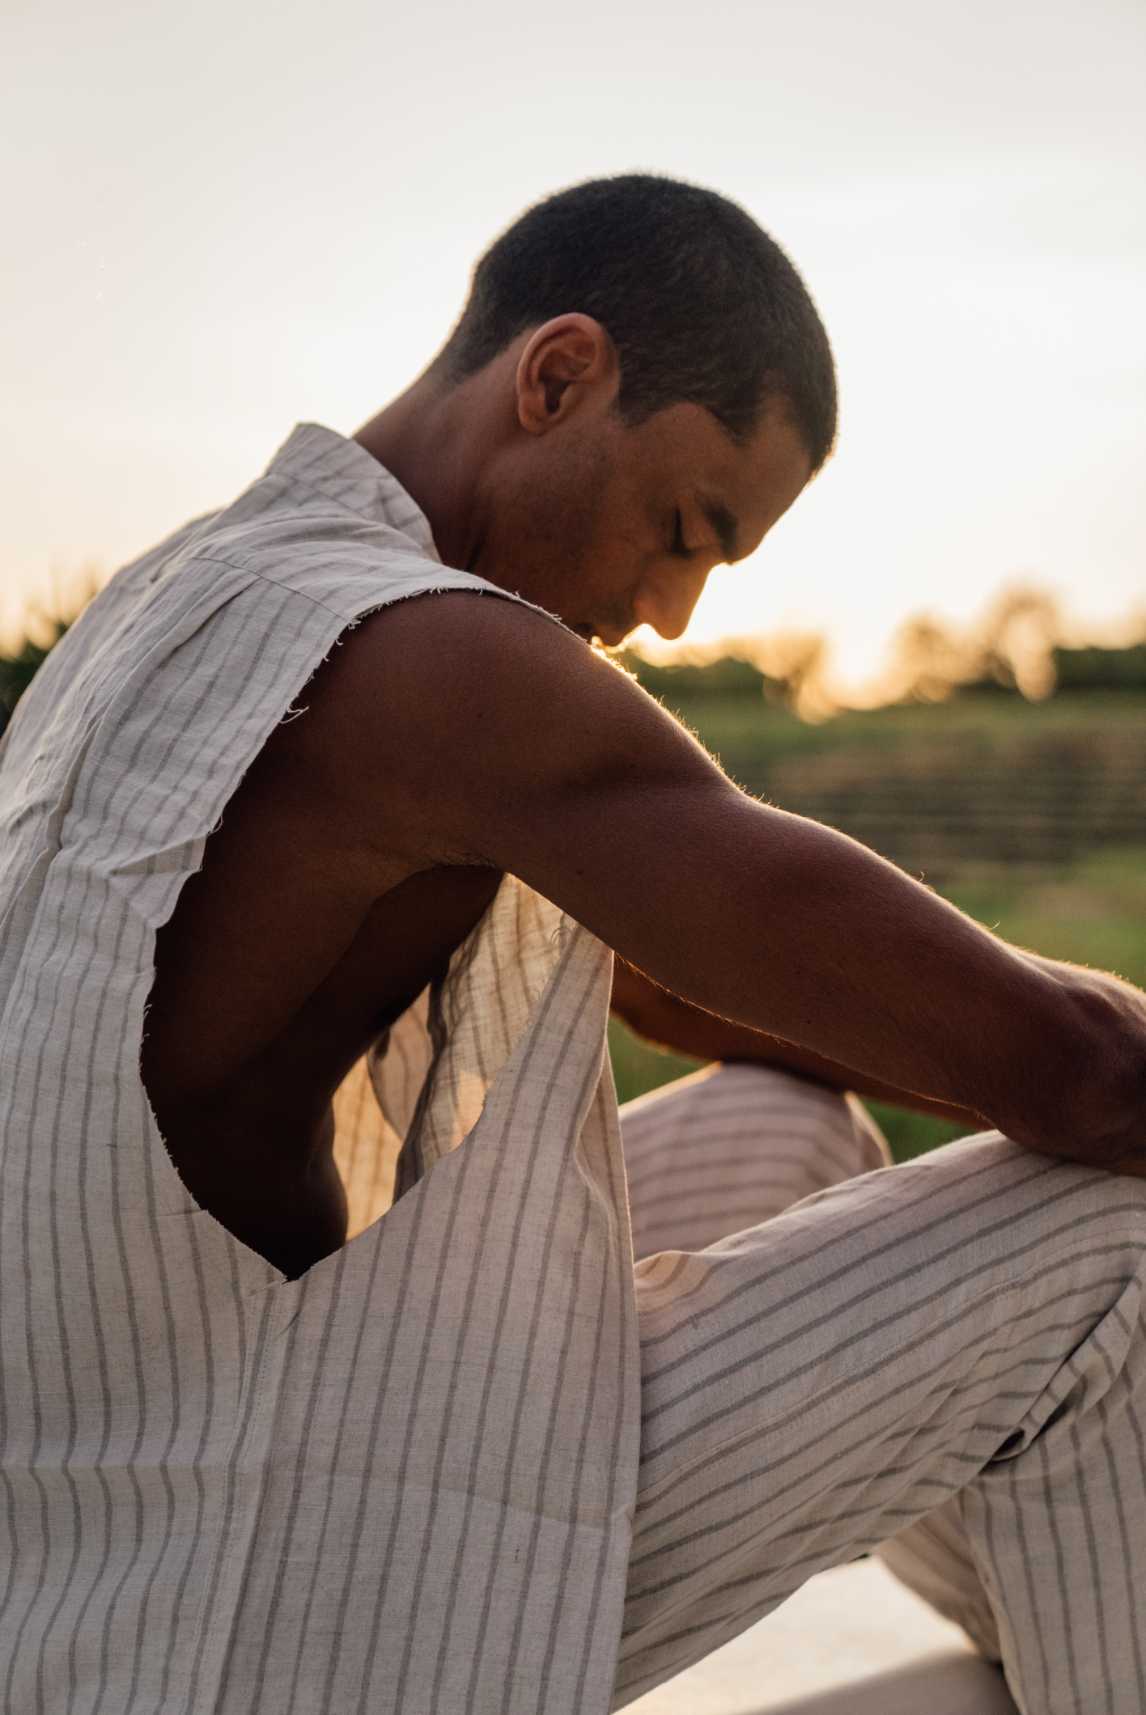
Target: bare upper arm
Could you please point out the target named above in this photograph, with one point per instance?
(479, 731)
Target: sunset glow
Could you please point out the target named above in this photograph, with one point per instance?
(234, 222)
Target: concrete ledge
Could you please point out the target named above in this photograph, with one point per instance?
(851, 1641)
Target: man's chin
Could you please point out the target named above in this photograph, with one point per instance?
(600, 639)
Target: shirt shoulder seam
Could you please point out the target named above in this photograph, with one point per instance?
(482, 587)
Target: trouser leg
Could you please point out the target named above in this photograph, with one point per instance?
(936, 1558)
(769, 1139)
(945, 1358)
(733, 1144)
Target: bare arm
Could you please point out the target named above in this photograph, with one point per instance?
(492, 735)
(674, 1023)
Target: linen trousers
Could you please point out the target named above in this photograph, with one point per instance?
(942, 1362)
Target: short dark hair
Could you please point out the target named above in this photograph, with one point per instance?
(701, 304)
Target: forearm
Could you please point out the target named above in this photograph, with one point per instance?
(673, 1023)
(804, 934)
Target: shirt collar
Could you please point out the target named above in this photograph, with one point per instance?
(320, 458)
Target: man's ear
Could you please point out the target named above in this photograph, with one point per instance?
(566, 360)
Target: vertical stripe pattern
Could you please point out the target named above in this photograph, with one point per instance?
(942, 1362)
(406, 1479)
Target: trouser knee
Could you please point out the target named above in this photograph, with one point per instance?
(734, 1144)
(833, 1126)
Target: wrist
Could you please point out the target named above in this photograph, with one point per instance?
(1089, 1087)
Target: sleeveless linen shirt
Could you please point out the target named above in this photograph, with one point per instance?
(406, 1480)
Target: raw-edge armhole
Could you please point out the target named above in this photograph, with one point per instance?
(251, 1259)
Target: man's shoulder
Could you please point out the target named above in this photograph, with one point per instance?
(328, 555)
(461, 657)
(463, 717)
(424, 674)
(466, 622)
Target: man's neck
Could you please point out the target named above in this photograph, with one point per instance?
(421, 438)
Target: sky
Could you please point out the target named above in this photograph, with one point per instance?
(224, 220)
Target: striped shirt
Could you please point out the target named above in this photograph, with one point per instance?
(404, 1481)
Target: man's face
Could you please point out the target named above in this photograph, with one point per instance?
(612, 527)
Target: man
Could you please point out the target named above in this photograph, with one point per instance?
(331, 1379)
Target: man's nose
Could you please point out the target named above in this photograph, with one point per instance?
(668, 607)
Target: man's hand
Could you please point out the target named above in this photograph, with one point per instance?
(1104, 1118)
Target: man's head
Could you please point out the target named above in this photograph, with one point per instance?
(637, 388)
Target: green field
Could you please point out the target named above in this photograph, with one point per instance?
(1030, 817)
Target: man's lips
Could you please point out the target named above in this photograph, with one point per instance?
(609, 639)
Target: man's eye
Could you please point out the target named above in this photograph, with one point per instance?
(678, 546)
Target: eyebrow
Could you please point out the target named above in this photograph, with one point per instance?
(723, 522)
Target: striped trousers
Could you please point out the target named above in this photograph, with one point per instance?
(942, 1362)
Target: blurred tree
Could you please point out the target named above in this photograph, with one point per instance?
(795, 664)
(724, 676)
(18, 667)
(39, 629)
(1016, 639)
(928, 660)
(1010, 648)
(1096, 669)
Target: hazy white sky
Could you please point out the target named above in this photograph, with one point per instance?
(222, 220)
